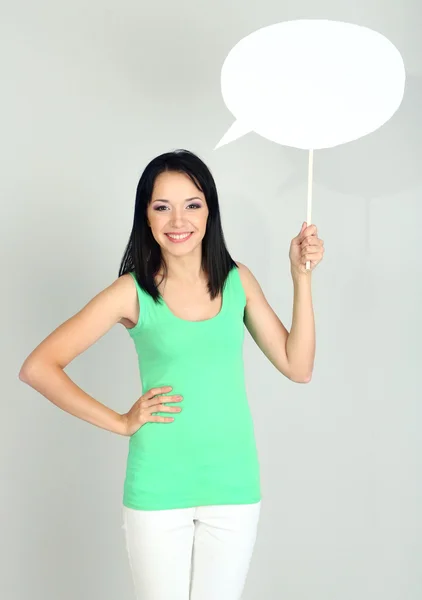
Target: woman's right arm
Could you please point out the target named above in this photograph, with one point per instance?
(44, 368)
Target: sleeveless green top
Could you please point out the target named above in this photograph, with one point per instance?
(208, 454)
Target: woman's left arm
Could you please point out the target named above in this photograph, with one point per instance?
(300, 345)
(291, 353)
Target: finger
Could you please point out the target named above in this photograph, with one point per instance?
(311, 230)
(154, 419)
(160, 399)
(164, 408)
(313, 258)
(310, 250)
(158, 390)
(314, 241)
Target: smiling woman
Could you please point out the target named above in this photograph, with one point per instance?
(188, 332)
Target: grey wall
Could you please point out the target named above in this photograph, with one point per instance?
(91, 92)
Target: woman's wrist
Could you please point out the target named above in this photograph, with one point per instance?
(122, 424)
(300, 277)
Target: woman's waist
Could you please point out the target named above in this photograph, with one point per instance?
(191, 384)
(210, 430)
(200, 450)
(210, 403)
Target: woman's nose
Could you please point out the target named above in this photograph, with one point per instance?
(177, 219)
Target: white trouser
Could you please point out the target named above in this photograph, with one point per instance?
(200, 553)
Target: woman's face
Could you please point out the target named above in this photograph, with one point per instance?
(177, 207)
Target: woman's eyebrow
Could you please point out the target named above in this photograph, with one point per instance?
(164, 200)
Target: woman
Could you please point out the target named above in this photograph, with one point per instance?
(191, 498)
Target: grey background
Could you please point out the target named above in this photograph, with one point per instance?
(91, 91)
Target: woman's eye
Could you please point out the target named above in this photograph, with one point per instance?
(160, 207)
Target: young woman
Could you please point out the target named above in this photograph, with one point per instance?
(191, 499)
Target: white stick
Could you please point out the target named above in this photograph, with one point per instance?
(309, 208)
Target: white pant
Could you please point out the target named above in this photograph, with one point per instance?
(200, 553)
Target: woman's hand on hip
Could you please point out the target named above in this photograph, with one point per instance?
(151, 401)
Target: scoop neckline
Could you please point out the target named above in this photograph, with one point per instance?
(211, 319)
(194, 322)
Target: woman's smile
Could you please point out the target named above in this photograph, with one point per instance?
(177, 238)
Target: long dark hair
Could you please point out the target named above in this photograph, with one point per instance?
(143, 254)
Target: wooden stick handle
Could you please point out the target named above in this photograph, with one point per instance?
(309, 207)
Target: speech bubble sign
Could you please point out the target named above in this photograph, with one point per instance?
(311, 83)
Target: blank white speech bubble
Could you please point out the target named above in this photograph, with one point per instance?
(311, 83)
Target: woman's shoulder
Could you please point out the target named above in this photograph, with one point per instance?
(249, 282)
(130, 302)
(244, 272)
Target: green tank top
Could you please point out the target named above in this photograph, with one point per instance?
(208, 454)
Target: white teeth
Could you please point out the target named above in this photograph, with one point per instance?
(179, 237)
